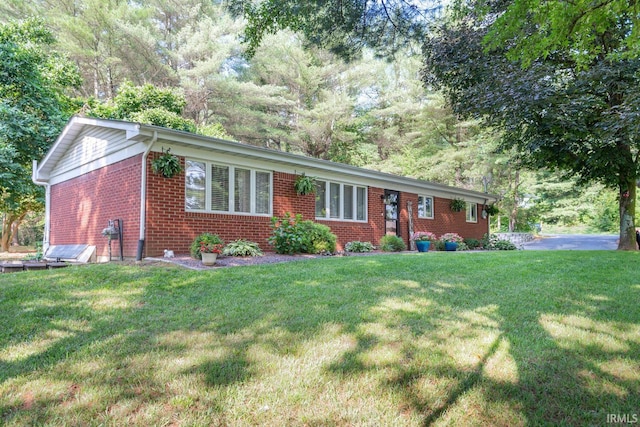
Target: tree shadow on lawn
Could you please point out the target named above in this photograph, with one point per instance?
(466, 346)
(510, 352)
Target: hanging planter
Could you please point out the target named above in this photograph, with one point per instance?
(457, 205)
(167, 164)
(305, 185)
(491, 209)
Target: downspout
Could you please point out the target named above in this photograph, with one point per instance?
(143, 197)
(47, 206)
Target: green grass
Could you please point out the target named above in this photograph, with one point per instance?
(504, 338)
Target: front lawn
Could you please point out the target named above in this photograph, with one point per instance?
(490, 338)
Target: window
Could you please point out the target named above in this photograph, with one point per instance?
(263, 193)
(472, 212)
(344, 201)
(348, 207)
(195, 184)
(321, 199)
(242, 192)
(334, 200)
(425, 207)
(361, 204)
(219, 188)
(227, 189)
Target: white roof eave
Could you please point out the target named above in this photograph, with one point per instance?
(142, 132)
(68, 135)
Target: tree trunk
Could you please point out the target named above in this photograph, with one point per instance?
(514, 212)
(96, 86)
(627, 203)
(5, 241)
(10, 224)
(15, 226)
(14, 234)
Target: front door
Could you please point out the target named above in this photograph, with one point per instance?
(391, 212)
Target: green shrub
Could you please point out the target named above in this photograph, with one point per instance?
(242, 247)
(472, 243)
(462, 247)
(318, 238)
(605, 214)
(206, 238)
(162, 117)
(286, 237)
(504, 245)
(493, 243)
(357, 246)
(292, 235)
(391, 243)
(438, 245)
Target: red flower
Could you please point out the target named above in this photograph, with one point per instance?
(210, 248)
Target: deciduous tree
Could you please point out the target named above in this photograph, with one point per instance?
(561, 110)
(33, 110)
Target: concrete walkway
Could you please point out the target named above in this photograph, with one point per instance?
(578, 242)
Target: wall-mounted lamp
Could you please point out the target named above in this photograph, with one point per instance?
(387, 200)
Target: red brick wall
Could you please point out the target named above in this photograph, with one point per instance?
(285, 198)
(446, 221)
(81, 207)
(170, 227)
(371, 231)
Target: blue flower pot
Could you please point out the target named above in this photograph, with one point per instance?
(423, 245)
(450, 246)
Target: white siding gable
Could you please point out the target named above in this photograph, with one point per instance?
(93, 148)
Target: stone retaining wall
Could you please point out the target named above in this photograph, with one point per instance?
(516, 238)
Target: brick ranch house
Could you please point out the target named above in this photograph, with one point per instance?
(100, 170)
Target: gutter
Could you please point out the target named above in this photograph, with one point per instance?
(143, 197)
(47, 206)
(297, 161)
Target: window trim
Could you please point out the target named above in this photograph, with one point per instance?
(424, 197)
(472, 212)
(253, 190)
(342, 202)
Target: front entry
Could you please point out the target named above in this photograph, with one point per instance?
(391, 212)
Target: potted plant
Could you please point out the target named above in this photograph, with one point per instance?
(423, 240)
(209, 252)
(305, 185)
(457, 204)
(451, 241)
(167, 164)
(206, 247)
(491, 209)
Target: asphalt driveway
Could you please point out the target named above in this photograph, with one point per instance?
(578, 242)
